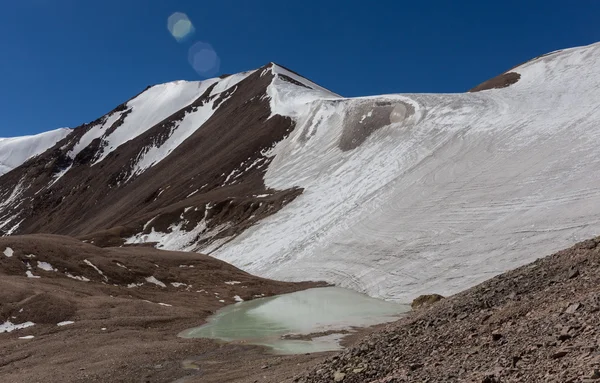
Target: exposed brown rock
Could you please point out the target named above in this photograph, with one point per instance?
(365, 119)
(425, 300)
(502, 81)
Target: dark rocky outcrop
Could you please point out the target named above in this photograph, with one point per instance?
(502, 81)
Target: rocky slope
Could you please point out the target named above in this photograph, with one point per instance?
(538, 323)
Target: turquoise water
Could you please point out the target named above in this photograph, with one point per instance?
(265, 321)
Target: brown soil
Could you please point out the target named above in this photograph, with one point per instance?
(538, 323)
(123, 334)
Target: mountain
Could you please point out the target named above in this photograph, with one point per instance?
(392, 195)
(15, 151)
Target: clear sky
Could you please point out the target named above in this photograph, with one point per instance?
(66, 62)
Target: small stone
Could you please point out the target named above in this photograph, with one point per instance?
(415, 366)
(338, 376)
(572, 308)
(563, 337)
(559, 354)
(515, 360)
(263, 367)
(425, 300)
(490, 379)
(573, 274)
(358, 370)
(496, 336)
(595, 375)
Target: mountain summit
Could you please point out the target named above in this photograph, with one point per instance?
(390, 195)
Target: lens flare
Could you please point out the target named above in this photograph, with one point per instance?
(204, 59)
(180, 26)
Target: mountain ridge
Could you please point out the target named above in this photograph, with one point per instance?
(391, 195)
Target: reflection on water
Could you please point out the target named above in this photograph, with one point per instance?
(264, 321)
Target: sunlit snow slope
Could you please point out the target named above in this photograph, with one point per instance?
(15, 151)
(416, 193)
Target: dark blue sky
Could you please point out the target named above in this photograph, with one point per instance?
(65, 62)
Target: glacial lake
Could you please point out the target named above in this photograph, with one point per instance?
(279, 321)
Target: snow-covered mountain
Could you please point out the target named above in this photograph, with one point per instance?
(15, 151)
(391, 195)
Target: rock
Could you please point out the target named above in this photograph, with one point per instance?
(572, 308)
(490, 379)
(496, 336)
(573, 274)
(595, 375)
(563, 337)
(559, 354)
(515, 360)
(358, 370)
(338, 376)
(425, 300)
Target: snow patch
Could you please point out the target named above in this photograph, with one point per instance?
(15, 151)
(155, 281)
(190, 123)
(150, 108)
(176, 238)
(8, 252)
(65, 323)
(45, 266)
(10, 327)
(90, 264)
(30, 274)
(79, 278)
